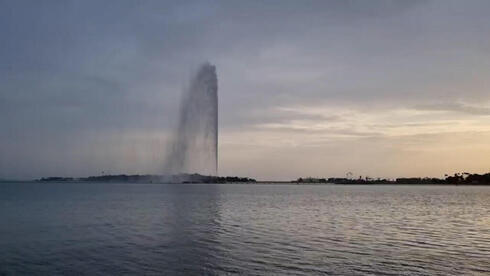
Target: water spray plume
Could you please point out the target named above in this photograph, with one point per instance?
(194, 149)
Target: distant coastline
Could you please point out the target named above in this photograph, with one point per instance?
(149, 178)
(456, 179)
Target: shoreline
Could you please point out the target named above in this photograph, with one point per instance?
(272, 183)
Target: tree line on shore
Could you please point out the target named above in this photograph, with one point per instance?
(456, 179)
(148, 178)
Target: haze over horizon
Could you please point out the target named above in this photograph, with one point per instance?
(310, 88)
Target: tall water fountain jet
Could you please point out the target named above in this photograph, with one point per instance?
(194, 149)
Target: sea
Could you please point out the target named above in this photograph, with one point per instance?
(245, 229)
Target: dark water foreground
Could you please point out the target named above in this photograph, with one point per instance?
(69, 228)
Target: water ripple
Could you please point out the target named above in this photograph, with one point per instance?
(244, 229)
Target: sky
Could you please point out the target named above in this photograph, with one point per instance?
(306, 88)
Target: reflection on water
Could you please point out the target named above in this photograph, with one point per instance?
(251, 229)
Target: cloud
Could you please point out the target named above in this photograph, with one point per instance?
(456, 107)
(306, 73)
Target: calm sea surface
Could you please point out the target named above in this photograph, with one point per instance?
(90, 229)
